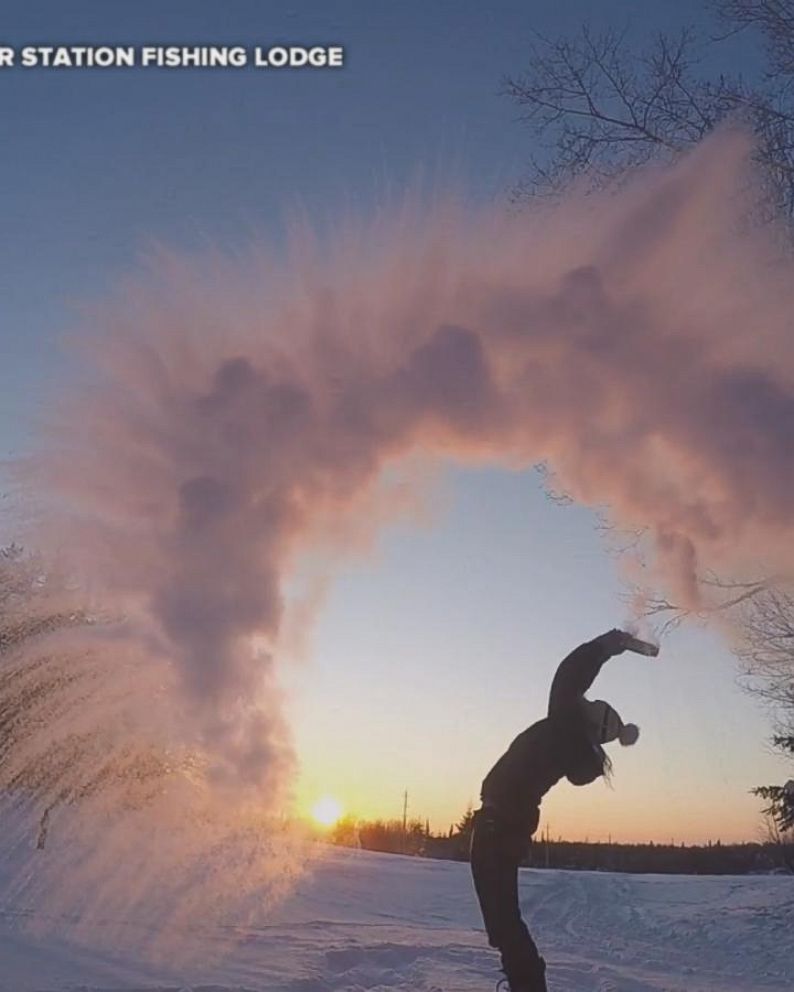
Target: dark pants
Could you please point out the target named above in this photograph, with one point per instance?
(496, 852)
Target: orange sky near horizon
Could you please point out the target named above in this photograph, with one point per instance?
(380, 705)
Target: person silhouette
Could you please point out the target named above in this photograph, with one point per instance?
(566, 743)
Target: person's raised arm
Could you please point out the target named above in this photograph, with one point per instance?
(578, 670)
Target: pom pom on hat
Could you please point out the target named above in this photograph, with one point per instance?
(629, 734)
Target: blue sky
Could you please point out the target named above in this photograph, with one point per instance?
(99, 166)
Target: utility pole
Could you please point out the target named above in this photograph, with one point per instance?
(405, 821)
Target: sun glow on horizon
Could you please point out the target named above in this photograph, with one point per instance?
(326, 811)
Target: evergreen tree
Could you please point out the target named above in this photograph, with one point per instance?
(780, 797)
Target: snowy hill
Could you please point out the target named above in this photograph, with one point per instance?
(361, 921)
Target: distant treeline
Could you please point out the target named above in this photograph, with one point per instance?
(388, 836)
(709, 859)
(415, 838)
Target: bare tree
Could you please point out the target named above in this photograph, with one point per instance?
(767, 652)
(775, 21)
(605, 108)
(599, 106)
(767, 623)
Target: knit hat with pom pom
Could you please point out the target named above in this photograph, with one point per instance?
(604, 724)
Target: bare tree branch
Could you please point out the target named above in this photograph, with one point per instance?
(599, 108)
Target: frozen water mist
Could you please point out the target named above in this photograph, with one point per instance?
(108, 817)
(239, 414)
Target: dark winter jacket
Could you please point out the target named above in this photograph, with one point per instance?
(552, 748)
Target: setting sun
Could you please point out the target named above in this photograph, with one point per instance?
(326, 811)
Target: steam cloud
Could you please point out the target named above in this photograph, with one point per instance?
(242, 412)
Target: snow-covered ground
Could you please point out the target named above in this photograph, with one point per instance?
(361, 921)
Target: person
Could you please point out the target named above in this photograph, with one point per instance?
(567, 743)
